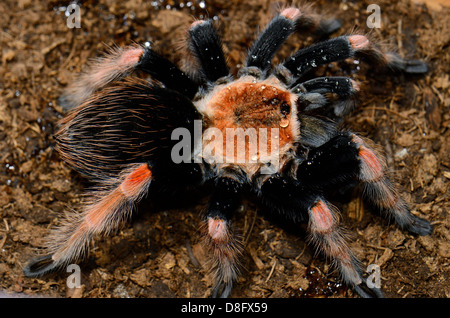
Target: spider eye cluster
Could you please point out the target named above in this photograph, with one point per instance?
(285, 108)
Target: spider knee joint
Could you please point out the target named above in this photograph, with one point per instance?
(372, 167)
(218, 230)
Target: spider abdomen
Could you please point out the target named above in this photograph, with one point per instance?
(129, 122)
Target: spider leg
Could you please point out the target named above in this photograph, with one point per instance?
(207, 48)
(315, 24)
(167, 73)
(326, 234)
(224, 245)
(299, 203)
(119, 63)
(277, 31)
(381, 192)
(105, 210)
(348, 156)
(343, 47)
(116, 64)
(321, 91)
(315, 131)
(342, 86)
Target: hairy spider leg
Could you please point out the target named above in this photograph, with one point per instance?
(119, 63)
(334, 162)
(339, 92)
(347, 156)
(167, 73)
(329, 238)
(341, 48)
(381, 192)
(342, 86)
(315, 24)
(269, 41)
(207, 49)
(104, 212)
(275, 34)
(221, 240)
(297, 202)
(287, 197)
(315, 131)
(116, 64)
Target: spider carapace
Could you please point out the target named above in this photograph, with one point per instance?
(272, 131)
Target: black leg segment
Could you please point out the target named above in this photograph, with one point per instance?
(288, 198)
(221, 239)
(299, 202)
(348, 156)
(268, 42)
(342, 86)
(343, 47)
(337, 92)
(207, 48)
(304, 60)
(335, 161)
(167, 73)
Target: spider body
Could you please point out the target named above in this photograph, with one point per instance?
(271, 132)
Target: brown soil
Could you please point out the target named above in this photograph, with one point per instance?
(157, 254)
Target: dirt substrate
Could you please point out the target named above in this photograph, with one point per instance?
(157, 254)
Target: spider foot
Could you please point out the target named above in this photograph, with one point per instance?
(366, 291)
(415, 67)
(419, 226)
(40, 266)
(222, 290)
(328, 27)
(412, 67)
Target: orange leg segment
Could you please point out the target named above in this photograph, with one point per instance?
(104, 212)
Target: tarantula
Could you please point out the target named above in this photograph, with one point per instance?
(124, 134)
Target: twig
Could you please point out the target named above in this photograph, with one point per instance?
(272, 269)
(301, 253)
(191, 255)
(389, 111)
(3, 241)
